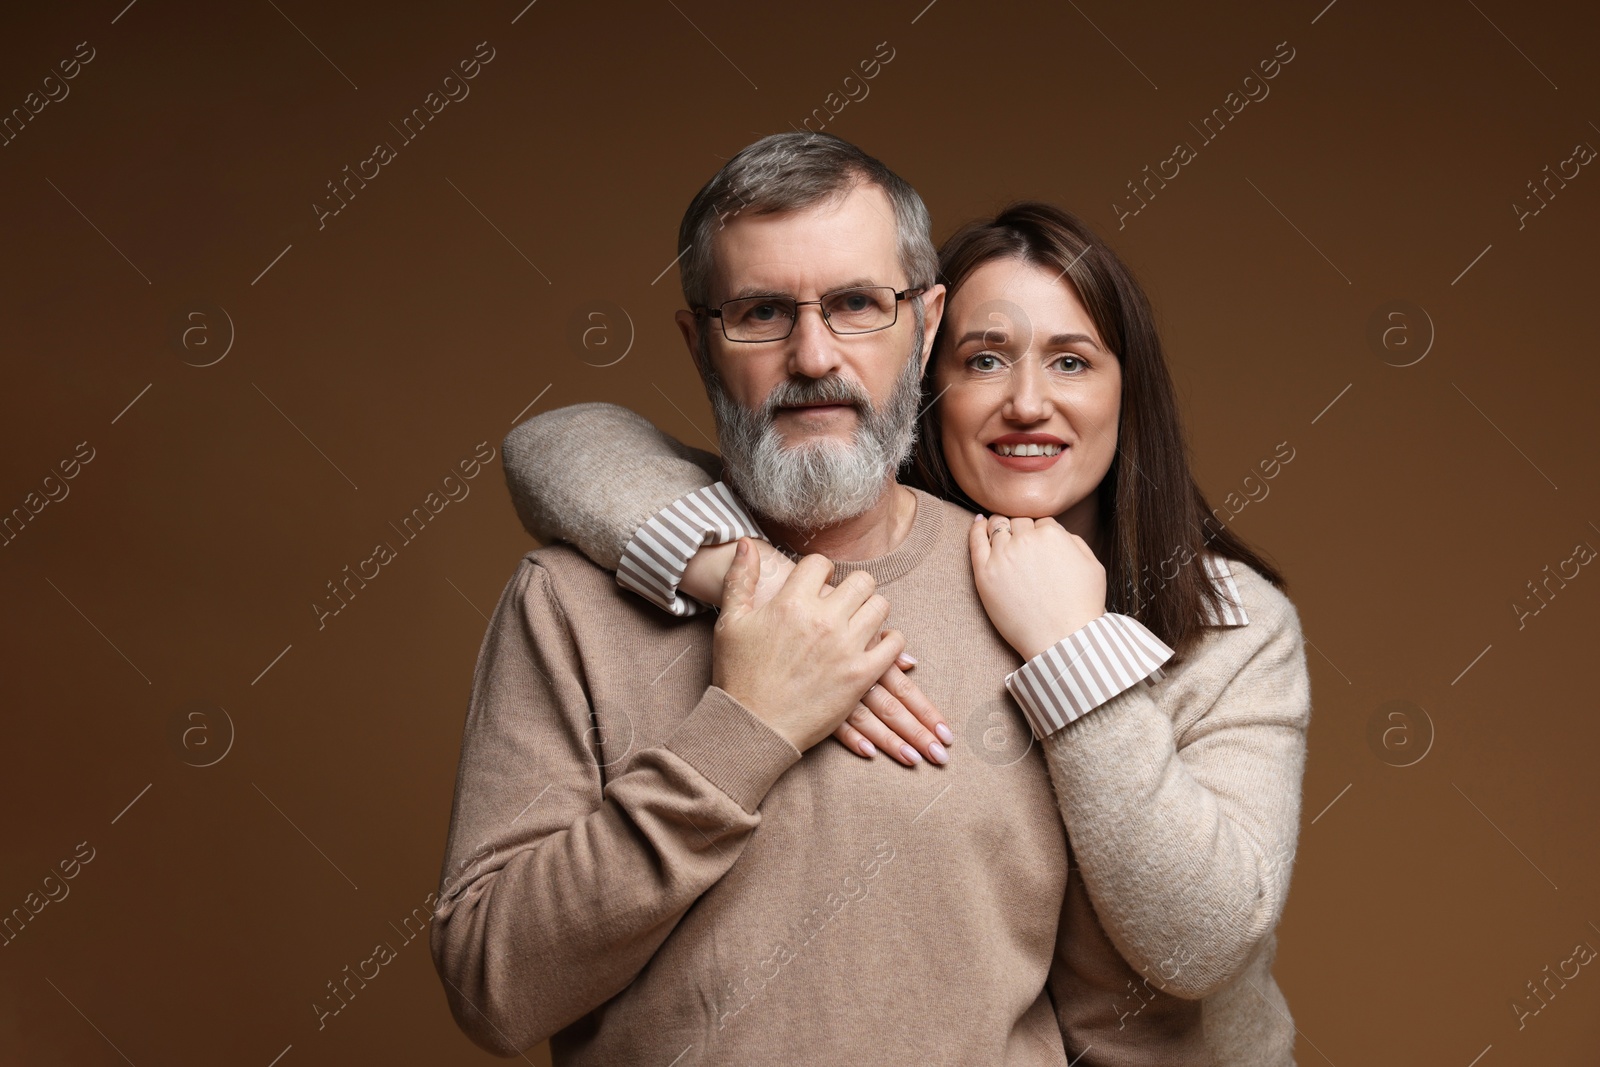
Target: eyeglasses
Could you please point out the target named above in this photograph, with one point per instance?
(866, 309)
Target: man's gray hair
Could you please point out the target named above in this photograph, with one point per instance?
(788, 171)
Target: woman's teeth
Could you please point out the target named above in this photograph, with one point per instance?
(1027, 450)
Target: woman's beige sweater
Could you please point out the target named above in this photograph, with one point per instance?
(1181, 799)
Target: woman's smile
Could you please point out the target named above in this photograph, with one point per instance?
(1027, 451)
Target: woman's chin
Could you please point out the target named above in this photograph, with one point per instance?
(1022, 503)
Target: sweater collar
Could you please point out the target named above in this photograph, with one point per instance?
(926, 524)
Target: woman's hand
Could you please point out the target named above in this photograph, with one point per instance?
(894, 716)
(898, 718)
(1038, 581)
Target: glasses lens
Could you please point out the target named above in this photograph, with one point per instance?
(760, 318)
(860, 310)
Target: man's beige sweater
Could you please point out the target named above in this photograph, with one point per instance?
(641, 870)
(1182, 799)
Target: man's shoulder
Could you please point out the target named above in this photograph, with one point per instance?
(566, 567)
(582, 589)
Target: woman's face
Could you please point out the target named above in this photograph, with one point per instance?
(1021, 368)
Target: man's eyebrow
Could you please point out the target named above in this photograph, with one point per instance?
(747, 291)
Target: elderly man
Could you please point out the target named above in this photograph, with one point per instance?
(651, 859)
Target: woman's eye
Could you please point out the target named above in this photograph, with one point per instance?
(984, 361)
(1078, 364)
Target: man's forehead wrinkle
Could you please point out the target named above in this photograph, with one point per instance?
(824, 251)
(751, 289)
(828, 207)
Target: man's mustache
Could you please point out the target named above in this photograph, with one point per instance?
(830, 390)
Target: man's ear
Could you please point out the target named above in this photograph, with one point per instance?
(689, 325)
(932, 315)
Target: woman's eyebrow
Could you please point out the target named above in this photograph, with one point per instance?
(1063, 339)
(1000, 336)
(984, 335)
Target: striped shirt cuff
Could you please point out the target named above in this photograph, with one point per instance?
(659, 551)
(1085, 669)
(1232, 613)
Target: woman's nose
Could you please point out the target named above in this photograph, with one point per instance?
(1030, 399)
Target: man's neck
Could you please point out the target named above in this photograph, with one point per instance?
(875, 532)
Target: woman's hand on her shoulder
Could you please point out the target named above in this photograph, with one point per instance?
(1038, 581)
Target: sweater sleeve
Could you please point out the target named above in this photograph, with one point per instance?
(592, 474)
(1186, 843)
(631, 498)
(564, 874)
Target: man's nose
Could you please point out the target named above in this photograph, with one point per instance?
(813, 347)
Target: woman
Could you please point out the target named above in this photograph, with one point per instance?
(1051, 413)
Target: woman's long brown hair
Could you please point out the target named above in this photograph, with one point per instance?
(1154, 519)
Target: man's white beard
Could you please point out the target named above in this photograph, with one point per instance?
(817, 483)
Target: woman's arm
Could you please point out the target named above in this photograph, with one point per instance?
(1184, 823)
(1186, 844)
(596, 475)
(592, 474)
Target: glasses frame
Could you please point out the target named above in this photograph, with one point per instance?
(899, 295)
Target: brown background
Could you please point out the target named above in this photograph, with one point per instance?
(440, 305)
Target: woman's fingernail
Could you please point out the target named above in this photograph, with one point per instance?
(867, 748)
(909, 658)
(911, 754)
(937, 752)
(944, 734)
